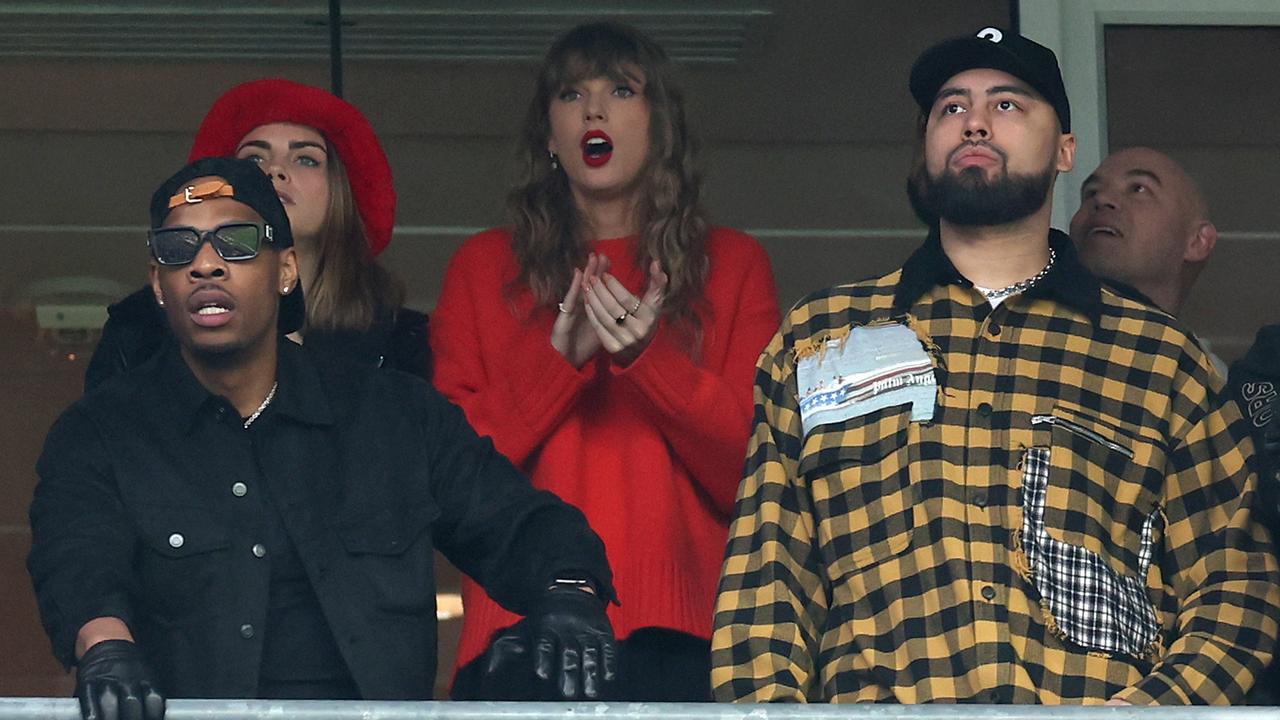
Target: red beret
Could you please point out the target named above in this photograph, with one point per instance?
(262, 102)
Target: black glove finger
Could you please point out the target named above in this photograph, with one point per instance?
(108, 699)
(152, 703)
(570, 667)
(609, 659)
(87, 694)
(544, 657)
(590, 671)
(130, 704)
(504, 651)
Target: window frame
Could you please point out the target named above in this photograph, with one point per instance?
(1076, 31)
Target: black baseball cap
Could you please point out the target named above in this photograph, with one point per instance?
(244, 182)
(997, 49)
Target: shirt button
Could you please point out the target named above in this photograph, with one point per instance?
(994, 329)
(984, 409)
(988, 592)
(176, 540)
(239, 489)
(980, 499)
(260, 550)
(246, 631)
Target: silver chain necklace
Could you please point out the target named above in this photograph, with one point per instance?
(270, 396)
(1021, 285)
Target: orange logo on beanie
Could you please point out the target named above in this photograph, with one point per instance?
(191, 194)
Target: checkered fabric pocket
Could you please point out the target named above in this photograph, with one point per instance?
(1088, 602)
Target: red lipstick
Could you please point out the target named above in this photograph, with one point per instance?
(597, 148)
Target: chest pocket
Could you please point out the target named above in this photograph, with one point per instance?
(183, 560)
(390, 552)
(859, 475)
(1091, 528)
(1104, 484)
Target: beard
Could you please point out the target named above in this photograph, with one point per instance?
(967, 198)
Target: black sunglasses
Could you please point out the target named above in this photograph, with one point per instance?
(232, 241)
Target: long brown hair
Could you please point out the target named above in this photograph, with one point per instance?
(673, 228)
(349, 288)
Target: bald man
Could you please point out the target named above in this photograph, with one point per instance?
(1143, 222)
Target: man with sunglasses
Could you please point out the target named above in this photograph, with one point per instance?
(237, 517)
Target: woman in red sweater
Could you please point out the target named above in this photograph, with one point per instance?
(607, 343)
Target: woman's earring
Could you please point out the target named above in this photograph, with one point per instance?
(160, 301)
(284, 290)
(555, 161)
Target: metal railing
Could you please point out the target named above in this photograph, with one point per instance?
(67, 709)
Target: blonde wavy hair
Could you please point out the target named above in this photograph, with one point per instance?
(547, 232)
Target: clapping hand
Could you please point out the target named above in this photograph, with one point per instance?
(572, 335)
(623, 323)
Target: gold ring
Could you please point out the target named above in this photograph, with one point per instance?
(621, 318)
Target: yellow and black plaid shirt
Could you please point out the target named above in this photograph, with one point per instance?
(1071, 523)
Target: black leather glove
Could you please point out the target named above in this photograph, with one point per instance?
(114, 683)
(504, 671)
(573, 643)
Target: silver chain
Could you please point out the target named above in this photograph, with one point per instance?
(270, 396)
(1022, 285)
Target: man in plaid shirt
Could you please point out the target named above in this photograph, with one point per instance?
(984, 477)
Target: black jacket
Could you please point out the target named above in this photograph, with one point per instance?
(152, 495)
(136, 329)
(1254, 382)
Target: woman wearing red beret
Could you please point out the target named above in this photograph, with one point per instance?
(335, 182)
(607, 342)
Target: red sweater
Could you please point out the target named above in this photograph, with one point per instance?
(652, 453)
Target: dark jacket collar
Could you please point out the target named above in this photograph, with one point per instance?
(1068, 280)
(300, 394)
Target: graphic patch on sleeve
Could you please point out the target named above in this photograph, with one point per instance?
(870, 368)
(1259, 400)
